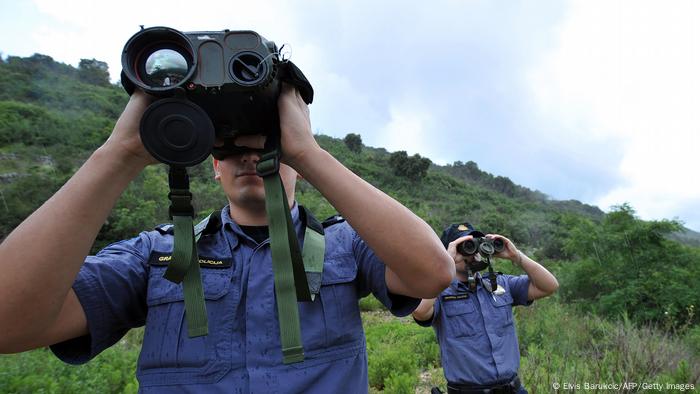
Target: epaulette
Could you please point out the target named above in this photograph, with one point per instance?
(335, 219)
(486, 275)
(166, 228)
(309, 220)
(210, 225)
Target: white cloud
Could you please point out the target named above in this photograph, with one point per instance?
(409, 128)
(79, 30)
(627, 72)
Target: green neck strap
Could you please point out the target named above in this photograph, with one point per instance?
(297, 275)
(287, 263)
(185, 263)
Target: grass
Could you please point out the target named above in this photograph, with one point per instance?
(558, 344)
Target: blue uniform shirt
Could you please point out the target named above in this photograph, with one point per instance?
(123, 287)
(476, 332)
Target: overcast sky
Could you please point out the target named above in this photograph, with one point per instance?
(590, 100)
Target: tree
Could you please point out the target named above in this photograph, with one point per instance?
(353, 142)
(414, 167)
(94, 72)
(504, 185)
(625, 265)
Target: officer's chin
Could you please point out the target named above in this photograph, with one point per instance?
(477, 266)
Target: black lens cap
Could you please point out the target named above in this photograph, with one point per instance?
(177, 132)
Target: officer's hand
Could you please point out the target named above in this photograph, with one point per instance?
(452, 249)
(295, 124)
(509, 252)
(125, 139)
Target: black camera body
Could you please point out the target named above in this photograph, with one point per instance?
(482, 245)
(209, 84)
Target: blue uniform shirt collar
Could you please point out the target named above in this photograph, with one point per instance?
(227, 221)
(459, 285)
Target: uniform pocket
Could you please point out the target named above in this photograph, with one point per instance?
(169, 355)
(503, 307)
(461, 317)
(333, 320)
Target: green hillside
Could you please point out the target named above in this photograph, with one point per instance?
(621, 275)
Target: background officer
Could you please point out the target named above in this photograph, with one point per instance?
(474, 326)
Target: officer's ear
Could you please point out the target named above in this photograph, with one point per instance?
(217, 172)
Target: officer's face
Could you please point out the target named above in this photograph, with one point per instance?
(461, 266)
(243, 187)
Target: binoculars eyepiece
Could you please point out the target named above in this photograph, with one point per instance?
(482, 245)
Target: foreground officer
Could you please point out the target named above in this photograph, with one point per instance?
(474, 324)
(54, 294)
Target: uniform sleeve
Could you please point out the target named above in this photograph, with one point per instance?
(518, 286)
(111, 288)
(372, 278)
(431, 321)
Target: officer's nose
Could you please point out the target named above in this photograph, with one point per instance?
(250, 156)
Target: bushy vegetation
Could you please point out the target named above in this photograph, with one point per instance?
(561, 344)
(353, 142)
(39, 371)
(412, 167)
(626, 311)
(558, 344)
(624, 265)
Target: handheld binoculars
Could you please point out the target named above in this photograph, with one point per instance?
(485, 246)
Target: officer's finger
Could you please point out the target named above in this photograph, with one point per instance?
(497, 236)
(509, 245)
(452, 246)
(458, 241)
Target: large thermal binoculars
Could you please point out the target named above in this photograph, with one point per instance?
(209, 84)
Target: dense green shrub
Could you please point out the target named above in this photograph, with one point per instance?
(400, 383)
(353, 142)
(412, 167)
(39, 371)
(625, 265)
(397, 347)
(560, 344)
(370, 303)
(692, 339)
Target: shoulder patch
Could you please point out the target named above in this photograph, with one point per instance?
(166, 228)
(335, 219)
